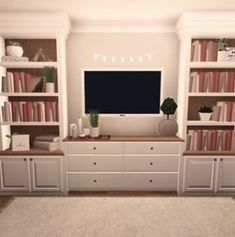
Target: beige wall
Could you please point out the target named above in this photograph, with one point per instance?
(80, 50)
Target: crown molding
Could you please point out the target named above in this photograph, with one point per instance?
(130, 26)
(34, 24)
(213, 23)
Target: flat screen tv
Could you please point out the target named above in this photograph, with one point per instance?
(123, 92)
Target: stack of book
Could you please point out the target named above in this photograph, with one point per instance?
(47, 142)
(14, 59)
(223, 111)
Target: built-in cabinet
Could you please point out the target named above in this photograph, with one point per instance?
(206, 79)
(123, 165)
(29, 174)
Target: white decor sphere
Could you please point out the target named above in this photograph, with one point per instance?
(14, 51)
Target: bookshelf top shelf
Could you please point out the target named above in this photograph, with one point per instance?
(212, 65)
(209, 123)
(31, 123)
(28, 64)
(209, 153)
(210, 94)
(30, 94)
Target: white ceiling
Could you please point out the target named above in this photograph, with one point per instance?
(118, 9)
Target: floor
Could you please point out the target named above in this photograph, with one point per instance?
(4, 201)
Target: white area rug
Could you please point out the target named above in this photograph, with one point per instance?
(119, 217)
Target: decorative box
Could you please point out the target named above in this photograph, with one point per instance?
(20, 142)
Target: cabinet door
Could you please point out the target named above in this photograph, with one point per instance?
(226, 175)
(14, 174)
(46, 173)
(199, 174)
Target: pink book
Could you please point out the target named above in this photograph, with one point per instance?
(201, 81)
(215, 81)
(28, 82)
(29, 108)
(16, 81)
(203, 50)
(199, 140)
(214, 51)
(47, 110)
(228, 140)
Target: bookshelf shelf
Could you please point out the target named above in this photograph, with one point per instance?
(28, 64)
(212, 65)
(211, 94)
(209, 123)
(36, 94)
(31, 123)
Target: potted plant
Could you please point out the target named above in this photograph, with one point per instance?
(205, 113)
(222, 52)
(168, 127)
(49, 78)
(14, 49)
(94, 122)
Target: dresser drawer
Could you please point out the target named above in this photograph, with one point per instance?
(151, 163)
(95, 163)
(94, 148)
(156, 181)
(151, 148)
(95, 181)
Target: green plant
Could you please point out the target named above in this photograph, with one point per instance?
(94, 118)
(49, 73)
(168, 106)
(205, 109)
(222, 44)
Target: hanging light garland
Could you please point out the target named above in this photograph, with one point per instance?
(123, 59)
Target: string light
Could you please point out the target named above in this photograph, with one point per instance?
(123, 59)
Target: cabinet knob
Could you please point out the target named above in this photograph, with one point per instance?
(94, 163)
(150, 181)
(94, 148)
(215, 159)
(221, 159)
(151, 148)
(31, 159)
(94, 180)
(25, 159)
(151, 163)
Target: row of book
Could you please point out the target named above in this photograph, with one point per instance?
(210, 140)
(30, 111)
(17, 82)
(223, 111)
(204, 50)
(47, 142)
(212, 81)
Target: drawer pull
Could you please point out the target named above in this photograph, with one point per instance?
(25, 159)
(151, 148)
(31, 159)
(151, 163)
(150, 181)
(94, 163)
(221, 159)
(94, 148)
(94, 180)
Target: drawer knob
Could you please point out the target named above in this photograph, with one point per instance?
(94, 180)
(25, 159)
(151, 163)
(94, 148)
(31, 159)
(94, 163)
(221, 159)
(151, 148)
(215, 159)
(150, 181)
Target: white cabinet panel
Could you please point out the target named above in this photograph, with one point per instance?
(155, 181)
(94, 148)
(14, 174)
(226, 175)
(95, 163)
(151, 163)
(151, 148)
(199, 174)
(95, 181)
(46, 173)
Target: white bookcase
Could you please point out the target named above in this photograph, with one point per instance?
(203, 26)
(34, 31)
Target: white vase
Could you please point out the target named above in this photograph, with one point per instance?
(14, 51)
(205, 116)
(167, 127)
(50, 87)
(222, 56)
(95, 131)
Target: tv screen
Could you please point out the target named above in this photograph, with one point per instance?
(123, 92)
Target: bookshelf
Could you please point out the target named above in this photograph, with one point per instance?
(32, 110)
(208, 161)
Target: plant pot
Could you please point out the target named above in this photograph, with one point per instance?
(14, 51)
(50, 87)
(167, 127)
(95, 131)
(222, 56)
(205, 116)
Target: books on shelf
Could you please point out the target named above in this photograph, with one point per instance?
(30, 111)
(14, 59)
(223, 111)
(47, 142)
(210, 140)
(48, 138)
(212, 81)
(204, 50)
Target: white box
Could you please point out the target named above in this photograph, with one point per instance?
(20, 142)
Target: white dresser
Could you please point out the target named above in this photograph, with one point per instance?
(123, 163)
